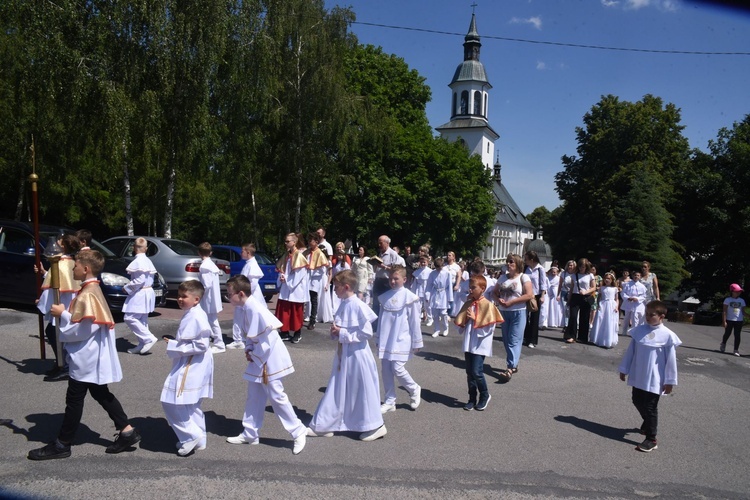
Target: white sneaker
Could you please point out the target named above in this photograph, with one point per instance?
(531, 346)
(147, 347)
(215, 349)
(435, 334)
(445, 333)
(241, 439)
(312, 433)
(186, 448)
(136, 349)
(201, 445)
(374, 434)
(385, 408)
(416, 398)
(736, 353)
(237, 344)
(429, 322)
(299, 444)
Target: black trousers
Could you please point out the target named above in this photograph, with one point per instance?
(580, 311)
(735, 326)
(531, 332)
(74, 407)
(313, 306)
(647, 404)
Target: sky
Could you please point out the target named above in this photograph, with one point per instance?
(542, 91)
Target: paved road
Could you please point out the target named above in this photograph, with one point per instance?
(563, 427)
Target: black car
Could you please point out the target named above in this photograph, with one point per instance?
(17, 281)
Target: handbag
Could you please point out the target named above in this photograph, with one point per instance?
(532, 305)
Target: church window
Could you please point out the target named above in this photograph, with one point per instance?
(464, 103)
(477, 102)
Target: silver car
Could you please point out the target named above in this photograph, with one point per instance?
(175, 260)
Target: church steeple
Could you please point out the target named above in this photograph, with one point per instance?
(471, 41)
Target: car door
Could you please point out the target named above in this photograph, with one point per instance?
(17, 281)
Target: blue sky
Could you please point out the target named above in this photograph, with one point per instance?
(541, 92)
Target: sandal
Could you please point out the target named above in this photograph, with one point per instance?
(570, 341)
(506, 374)
(514, 370)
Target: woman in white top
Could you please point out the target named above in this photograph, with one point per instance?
(583, 285)
(455, 271)
(511, 293)
(364, 272)
(649, 279)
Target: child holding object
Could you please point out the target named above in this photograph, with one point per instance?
(352, 399)
(650, 368)
(268, 362)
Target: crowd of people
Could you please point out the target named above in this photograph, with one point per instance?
(384, 298)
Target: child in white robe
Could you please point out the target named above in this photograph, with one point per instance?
(476, 322)
(650, 368)
(352, 399)
(440, 288)
(269, 362)
(252, 271)
(633, 303)
(191, 377)
(88, 332)
(604, 332)
(399, 335)
(141, 299)
(211, 301)
(419, 286)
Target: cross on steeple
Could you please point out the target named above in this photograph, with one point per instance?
(473, 6)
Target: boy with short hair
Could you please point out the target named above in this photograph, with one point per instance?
(88, 332)
(633, 302)
(84, 237)
(269, 362)
(141, 299)
(292, 282)
(476, 321)
(352, 398)
(252, 271)
(399, 335)
(650, 367)
(191, 377)
(320, 273)
(211, 301)
(419, 287)
(440, 289)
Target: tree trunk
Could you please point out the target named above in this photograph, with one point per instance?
(170, 198)
(126, 180)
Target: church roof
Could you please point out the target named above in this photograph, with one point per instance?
(470, 70)
(510, 212)
(468, 123)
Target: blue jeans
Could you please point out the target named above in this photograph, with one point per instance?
(515, 322)
(475, 376)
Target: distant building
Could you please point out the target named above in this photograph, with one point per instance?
(469, 125)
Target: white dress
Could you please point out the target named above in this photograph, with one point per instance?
(604, 332)
(554, 306)
(352, 399)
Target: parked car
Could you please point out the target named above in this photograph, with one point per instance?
(17, 281)
(175, 260)
(233, 254)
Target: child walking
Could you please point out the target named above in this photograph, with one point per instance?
(88, 332)
(419, 287)
(476, 322)
(633, 303)
(650, 367)
(192, 374)
(352, 399)
(268, 362)
(732, 317)
(604, 332)
(211, 301)
(141, 299)
(440, 288)
(399, 335)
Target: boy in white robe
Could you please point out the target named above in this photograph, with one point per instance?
(440, 289)
(317, 284)
(419, 286)
(141, 299)
(191, 377)
(650, 368)
(476, 322)
(399, 335)
(269, 362)
(88, 332)
(252, 271)
(352, 399)
(293, 291)
(633, 303)
(211, 301)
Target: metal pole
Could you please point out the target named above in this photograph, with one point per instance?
(33, 179)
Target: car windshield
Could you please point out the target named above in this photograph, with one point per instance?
(181, 247)
(95, 245)
(263, 259)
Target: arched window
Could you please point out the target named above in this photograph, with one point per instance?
(453, 108)
(477, 102)
(486, 104)
(464, 103)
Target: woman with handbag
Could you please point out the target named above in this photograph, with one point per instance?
(583, 285)
(536, 274)
(511, 293)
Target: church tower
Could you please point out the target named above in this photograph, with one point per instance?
(470, 103)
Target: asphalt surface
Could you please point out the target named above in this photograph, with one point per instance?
(563, 427)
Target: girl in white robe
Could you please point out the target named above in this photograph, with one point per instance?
(604, 332)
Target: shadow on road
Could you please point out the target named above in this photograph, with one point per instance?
(602, 430)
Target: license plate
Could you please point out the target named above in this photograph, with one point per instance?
(269, 286)
(158, 293)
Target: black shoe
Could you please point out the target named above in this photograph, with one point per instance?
(285, 336)
(483, 403)
(311, 325)
(124, 441)
(53, 371)
(647, 445)
(297, 337)
(53, 450)
(57, 377)
(470, 405)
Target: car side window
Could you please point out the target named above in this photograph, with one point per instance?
(220, 253)
(151, 249)
(14, 241)
(116, 246)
